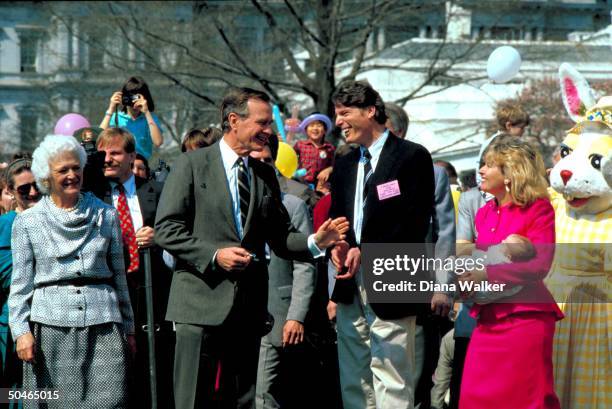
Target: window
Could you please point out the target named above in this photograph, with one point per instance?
(506, 33)
(96, 54)
(396, 34)
(28, 128)
(28, 43)
(445, 81)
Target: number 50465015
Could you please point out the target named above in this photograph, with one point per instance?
(22, 394)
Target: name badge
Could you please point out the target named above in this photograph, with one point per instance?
(387, 190)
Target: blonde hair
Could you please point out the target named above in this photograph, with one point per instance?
(523, 165)
(109, 134)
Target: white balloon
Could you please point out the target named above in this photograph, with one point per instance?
(503, 64)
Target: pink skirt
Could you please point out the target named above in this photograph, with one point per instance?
(509, 363)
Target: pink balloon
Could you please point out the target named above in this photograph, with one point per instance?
(69, 123)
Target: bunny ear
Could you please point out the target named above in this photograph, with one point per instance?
(577, 95)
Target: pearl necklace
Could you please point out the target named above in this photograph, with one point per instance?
(68, 209)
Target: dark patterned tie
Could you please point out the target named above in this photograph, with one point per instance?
(243, 190)
(367, 173)
(127, 229)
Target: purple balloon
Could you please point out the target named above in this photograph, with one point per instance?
(70, 123)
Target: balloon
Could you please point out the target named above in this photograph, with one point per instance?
(70, 123)
(503, 64)
(279, 121)
(286, 160)
(300, 173)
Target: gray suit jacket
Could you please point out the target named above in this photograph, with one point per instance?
(299, 190)
(469, 203)
(194, 220)
(291, 284)
(443, 220)
(52, 247)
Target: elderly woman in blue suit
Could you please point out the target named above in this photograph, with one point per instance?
(69, 308)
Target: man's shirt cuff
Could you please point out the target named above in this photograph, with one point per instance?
(314, 249)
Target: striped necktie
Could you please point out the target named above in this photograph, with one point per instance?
(244, 192)
(367, 173)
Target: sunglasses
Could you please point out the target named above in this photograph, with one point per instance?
(24, 190)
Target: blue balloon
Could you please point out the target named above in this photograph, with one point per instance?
(279, 122)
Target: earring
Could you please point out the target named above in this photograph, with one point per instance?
(507, 185)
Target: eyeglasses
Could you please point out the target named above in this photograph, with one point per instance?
(24, 190)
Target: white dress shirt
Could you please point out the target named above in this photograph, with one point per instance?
(229, 157)
(375, 149)
(132, 201)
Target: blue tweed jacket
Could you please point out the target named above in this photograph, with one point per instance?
(51, 247)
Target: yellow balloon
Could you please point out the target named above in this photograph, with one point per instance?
(286, 160)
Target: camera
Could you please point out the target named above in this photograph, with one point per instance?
(93, 173)
(129, 99)
(90, 148)
(161, 173)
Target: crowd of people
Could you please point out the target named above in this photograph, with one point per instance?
(259, 295)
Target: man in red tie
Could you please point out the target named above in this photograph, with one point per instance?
(136, 202)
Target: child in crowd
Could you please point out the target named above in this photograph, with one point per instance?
(512, 120)
(314, 154)
(200, 138)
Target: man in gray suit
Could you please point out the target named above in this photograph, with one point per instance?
(299, 190)
(216, 213)
(291, 286)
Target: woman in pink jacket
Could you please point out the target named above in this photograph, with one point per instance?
(509, 360)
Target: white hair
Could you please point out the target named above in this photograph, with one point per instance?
(49, 149)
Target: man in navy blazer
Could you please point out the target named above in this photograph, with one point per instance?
(376, 341)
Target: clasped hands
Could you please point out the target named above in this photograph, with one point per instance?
(346, 260)
(236, 259)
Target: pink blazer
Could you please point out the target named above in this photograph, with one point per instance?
(536, 222)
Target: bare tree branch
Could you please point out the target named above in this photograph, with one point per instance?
(288, 55)
(303, 26)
